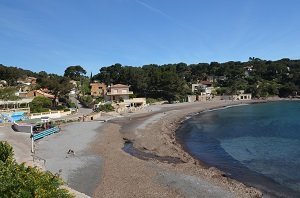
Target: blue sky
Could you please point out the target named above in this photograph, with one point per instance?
(50, 35)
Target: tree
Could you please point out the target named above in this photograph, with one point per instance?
(75, 72)
(17, 180)
(59, 86)
(8, 93)
(40, 104)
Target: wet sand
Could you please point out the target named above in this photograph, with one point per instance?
(152, 133)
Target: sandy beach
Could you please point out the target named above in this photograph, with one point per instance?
(152, 164)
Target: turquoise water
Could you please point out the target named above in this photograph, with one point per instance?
(257, 144)
(15, 116)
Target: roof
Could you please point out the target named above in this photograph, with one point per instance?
(119, 86)
(97, 84)
(22, 101)
(45, 94)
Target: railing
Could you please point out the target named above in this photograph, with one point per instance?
(45, 133)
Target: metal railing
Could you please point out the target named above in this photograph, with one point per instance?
(45, 133)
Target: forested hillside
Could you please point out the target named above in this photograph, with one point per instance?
(11, 74)
(173, 81)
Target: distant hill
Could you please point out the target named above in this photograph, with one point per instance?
(11, 74)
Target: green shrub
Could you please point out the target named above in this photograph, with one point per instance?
(105, 108)
(6, 151)
(60, 107)
(40, 104)
(17, 180)
(71, 105)
(152, 100)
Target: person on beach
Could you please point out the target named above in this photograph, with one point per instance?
(70, 151)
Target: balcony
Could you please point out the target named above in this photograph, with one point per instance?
(119, 93)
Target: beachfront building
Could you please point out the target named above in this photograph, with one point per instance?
(204, 90)
(98, 89)
(241, 95)
(118, 92)
(204, 87)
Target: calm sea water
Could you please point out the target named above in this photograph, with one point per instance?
(256, 144)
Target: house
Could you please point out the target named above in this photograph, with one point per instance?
(242, 96)
(34, 93)
(118, 92)
(204, 87)
(3, 83)
(27, 81)
(239, 96)
(98, 89)
(31, 80)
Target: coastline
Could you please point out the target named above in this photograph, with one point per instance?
(114, 172)
(154, 132)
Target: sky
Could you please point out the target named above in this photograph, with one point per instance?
(50, 35)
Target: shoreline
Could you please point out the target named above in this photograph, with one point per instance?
(178, 134)
(164, 123)
(151, 131)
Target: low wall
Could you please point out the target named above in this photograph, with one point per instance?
(94, 116)
(22, 128)
(50, 114)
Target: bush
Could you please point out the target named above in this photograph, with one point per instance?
(105, 108)
(17, 180)
(86, 101)
(71, 105)
(40, 104)
(6, 151)
(152, 100)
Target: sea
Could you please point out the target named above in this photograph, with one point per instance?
(257, 144)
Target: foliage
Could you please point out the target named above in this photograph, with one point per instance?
(12, 74)
(172, 82)
(105, 108)
(17, 180)
(40, 104)
(8, 93)
(75, 72)
(60, 86)
(84, 86)
(6, 152)
(86, 101)
(152, 100)
(99, 99)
